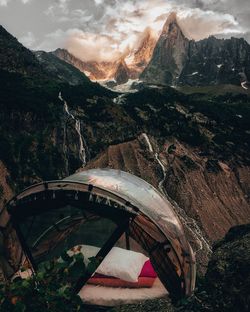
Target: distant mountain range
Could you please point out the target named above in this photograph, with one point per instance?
(121, 70)
(174, 60)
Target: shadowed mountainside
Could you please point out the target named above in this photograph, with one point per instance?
(193, 147)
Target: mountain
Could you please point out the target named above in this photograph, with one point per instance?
(33, 118)
(139, 58)
(216, 61)
(179, 61)
(169, 55)
(121, 74)
(96, 71)
(121, 70)
(194, 148)
(93, 69)
(60, 69)
(15, 58)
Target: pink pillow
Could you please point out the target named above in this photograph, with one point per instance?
(148, 270)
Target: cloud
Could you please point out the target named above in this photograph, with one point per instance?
(28, 40)
(98, 2)
(60, 8)
(208, 22)
(4, 2)
(92, 47)
(113, 27)
(53, 40)
(85, 46)
(107, 29)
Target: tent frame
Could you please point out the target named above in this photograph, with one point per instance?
(53, 195)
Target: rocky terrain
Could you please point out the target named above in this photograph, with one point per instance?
(226, 284)
(170, 55)
(179, 61)
(193, 147)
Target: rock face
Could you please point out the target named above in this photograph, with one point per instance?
(228, 275)
(179, 61)
(169, 55)
(60, 69)
(138, 59)
(121, 74)
(225, 286)
(208, 194)
(216, 61)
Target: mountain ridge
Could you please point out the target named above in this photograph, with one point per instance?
(126, 67)
(179, 61)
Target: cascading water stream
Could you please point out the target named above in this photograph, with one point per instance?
(82, 150)
(189, 222)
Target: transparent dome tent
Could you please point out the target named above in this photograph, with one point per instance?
(99, 207)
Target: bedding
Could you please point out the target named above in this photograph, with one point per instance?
(148, 270)
(143, 282)
(111, 296)
(123, 264)
(120, 263)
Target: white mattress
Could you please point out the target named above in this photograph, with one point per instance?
(110, 296)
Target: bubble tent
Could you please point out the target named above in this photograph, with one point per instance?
(39, 220)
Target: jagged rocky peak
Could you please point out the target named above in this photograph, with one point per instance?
(170, 24)
(139, 58)
(121, 74)
(210, 61)
(169, 54)
(127, 67)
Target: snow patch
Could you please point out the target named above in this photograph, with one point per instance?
(126, 87)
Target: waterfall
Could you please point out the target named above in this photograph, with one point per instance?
(65, 149)
(187, 221)
(82, 150)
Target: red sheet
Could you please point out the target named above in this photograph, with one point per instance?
(143, 282)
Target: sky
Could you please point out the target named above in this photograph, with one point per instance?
(106, 29)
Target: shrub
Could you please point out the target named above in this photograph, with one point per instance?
(50, 289)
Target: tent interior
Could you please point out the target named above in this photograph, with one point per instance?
(114, 216)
